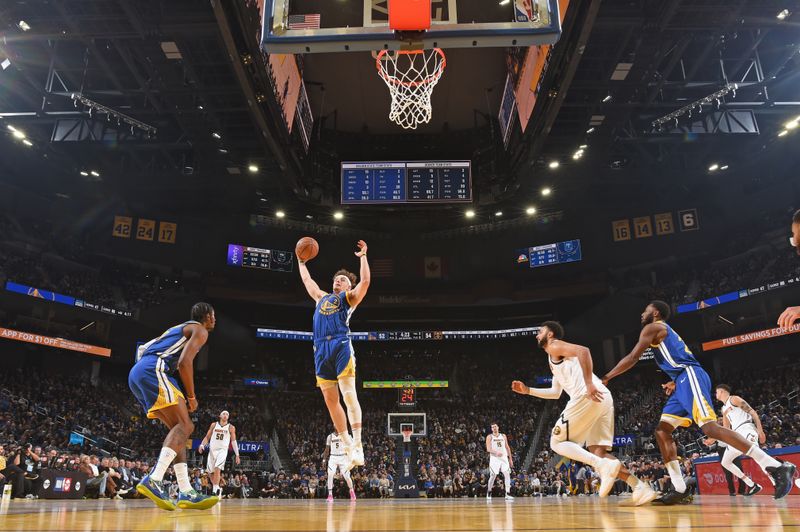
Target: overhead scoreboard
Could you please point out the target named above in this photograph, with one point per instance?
(549, 254)
(406, 182)
(263, 259)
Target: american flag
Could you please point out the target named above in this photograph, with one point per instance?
(382, 267)
(304, 22)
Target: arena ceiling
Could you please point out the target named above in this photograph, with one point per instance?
(193, 71)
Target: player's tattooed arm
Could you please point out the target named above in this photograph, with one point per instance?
(744, 405)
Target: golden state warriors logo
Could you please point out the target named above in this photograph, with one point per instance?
(330, 305)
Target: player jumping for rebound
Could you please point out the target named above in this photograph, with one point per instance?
(588, 418)
(337, 460)
(221, 434)
(689, 401)
(500, 459)
(152, 380)
(334, 358)
(742, 419)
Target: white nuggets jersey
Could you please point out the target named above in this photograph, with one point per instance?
(499, 445)
(568, 373)
(221, 437)
(336, 444)
(738, 418)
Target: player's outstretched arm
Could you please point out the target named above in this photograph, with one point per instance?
(744, 405)
(207, 439)
(360, 290)
(646, 339)
(198, 336)
(554, 392)
(312, 287)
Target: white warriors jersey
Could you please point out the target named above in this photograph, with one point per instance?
(736, 416)
(569, 374)
(499, 444)
(221, 437)
(336, 444)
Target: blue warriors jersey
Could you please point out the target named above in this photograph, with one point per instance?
(672, 355)
(168, 346)
(332, 316)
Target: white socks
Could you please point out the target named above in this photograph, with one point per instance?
(632, 481)
(345, 436)
(507, 478)
(675, 475)
(727, 463)
(575, 452)
(215, 489)
(182, 472)
(357, 436)
(164, 460)
(764, 460)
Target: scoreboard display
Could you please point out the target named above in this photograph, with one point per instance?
(406, 182)
(549, 254)
(263, 259)
(392, 336)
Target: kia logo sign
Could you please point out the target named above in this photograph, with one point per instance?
(407, 487)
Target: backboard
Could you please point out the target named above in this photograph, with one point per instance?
(396, 420)
(323, 26)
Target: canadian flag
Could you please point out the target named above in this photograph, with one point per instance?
(433, 267)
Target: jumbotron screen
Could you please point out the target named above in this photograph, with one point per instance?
(406, 182)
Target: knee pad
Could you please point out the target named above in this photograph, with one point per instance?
(347, 387)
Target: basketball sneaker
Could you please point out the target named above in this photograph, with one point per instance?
(330, 497)
(783, 477)
(672, 497)
(192, 500)
(357, 455)
(153, 490)
(643, 494)
(509, 497)
(752, 490)
(608, 470)
(352, 495)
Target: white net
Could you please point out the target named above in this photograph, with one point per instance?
(411, 77)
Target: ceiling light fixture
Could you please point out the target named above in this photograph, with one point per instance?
(723, 167)
(791, 125)
(783, 15)
(27, 142)
(84, 174)
(583, 146)
(553, 165)
(713, 168)
(253, 168)
(499, 214)
(783, 133)
(530, 211)
(590, 130)
(714, 98)
(216, 135)
(338, 215)
(280, 214)
(546, 191)
(470, 214)
(24, 26)
(607, 99)
(18, 134)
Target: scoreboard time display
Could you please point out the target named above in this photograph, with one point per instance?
(263, 259)
(406, 182)
(549, 254)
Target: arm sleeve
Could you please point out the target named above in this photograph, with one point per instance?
(554, 392)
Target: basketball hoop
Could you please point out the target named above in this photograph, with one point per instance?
(407, 431)
(411, 76)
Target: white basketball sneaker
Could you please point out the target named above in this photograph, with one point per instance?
(357, 455)
(509, 497)
(643, 494)
(608, 469)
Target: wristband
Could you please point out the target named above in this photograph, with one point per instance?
(190, 398)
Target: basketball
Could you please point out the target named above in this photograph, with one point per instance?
(306, 248)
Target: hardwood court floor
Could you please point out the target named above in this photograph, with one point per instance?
(709, 513)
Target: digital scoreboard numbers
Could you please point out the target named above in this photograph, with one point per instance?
(549, 254)
(263, 259)
(406, 182)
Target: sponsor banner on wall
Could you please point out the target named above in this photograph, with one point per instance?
(747, 338)
(711, 478)
(59, 343)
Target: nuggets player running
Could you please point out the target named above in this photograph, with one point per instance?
(741, 418)
(588, 418)
(500, 459)
(334, 358)
(221, 434)
(152, 380)
(689, 401)
(337, 462)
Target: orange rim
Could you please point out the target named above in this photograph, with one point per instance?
(436, 75)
